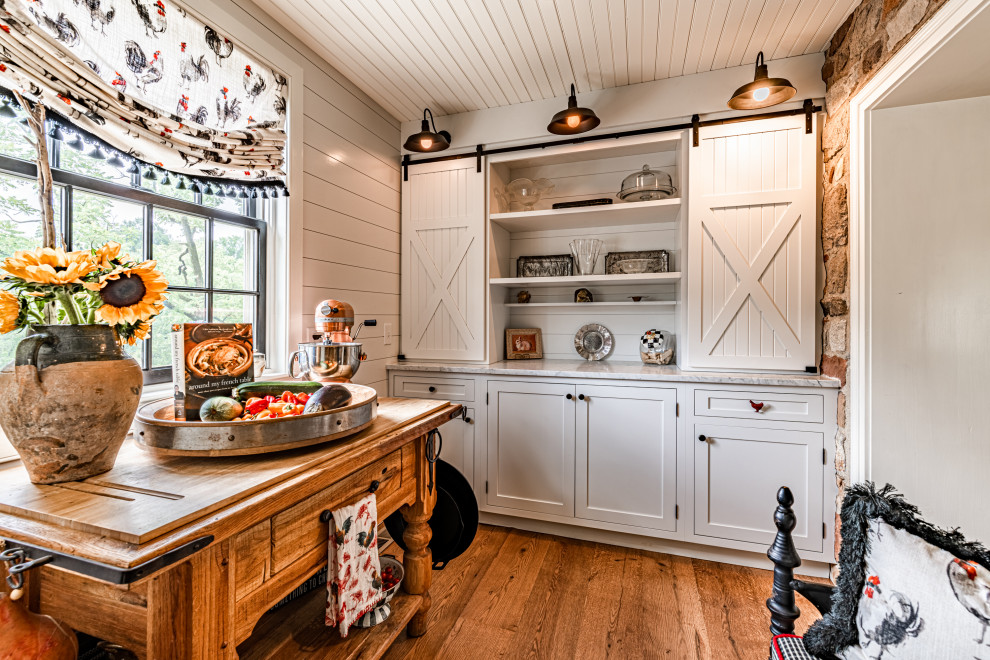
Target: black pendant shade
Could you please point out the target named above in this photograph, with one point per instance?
(573, 120)
(426, 140)
(763, 92)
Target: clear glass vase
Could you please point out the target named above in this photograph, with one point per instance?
(585, 252)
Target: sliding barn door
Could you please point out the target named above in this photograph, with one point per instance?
(443, 262)
(752, 224)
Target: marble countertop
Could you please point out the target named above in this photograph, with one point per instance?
(616, 370)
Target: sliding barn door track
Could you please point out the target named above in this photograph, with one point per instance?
(696, 124)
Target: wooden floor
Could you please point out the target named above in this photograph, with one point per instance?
(516, 594)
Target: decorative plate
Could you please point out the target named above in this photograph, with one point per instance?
(593, 342)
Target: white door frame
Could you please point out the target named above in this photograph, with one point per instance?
(946, 22)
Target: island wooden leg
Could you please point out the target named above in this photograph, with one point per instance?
(190, 611)
(417, 558)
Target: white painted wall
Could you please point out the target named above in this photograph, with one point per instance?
(344, 218)
(645, 104)
(929, 309)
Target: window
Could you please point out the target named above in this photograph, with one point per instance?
(211, 249)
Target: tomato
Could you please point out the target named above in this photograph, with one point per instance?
(270, 399)
(252, 400)
(302, 398)
(288, 397)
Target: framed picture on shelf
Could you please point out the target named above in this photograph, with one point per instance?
(555, 265)
(523, 344)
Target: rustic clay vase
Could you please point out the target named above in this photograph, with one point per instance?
(67, 400)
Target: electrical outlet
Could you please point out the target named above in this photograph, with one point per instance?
(387, 334)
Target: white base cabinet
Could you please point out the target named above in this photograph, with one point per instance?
(737, 471)
(531, 446)
(693, 463)
(627, 455)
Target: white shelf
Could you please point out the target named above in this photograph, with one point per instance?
(628, 303)
(544, 282)
(620, 213)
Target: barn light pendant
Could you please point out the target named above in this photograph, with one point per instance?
(763, 92)
(427, 140)
(573, 120)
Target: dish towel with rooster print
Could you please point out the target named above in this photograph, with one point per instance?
(354, 583)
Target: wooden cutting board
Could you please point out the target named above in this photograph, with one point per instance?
(145, 496)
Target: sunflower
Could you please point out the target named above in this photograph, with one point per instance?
(130, 294)
(10, 312)
(138, 332)
(49, 265)
(105, 254)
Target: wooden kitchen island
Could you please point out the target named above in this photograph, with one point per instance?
(182, 557)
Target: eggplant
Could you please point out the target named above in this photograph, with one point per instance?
(328, 397)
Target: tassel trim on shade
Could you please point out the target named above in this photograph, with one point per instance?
(62, 130)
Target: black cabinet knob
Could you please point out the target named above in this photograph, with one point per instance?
(433, 389)
(570, 396)
(702, 438)
(581, 396)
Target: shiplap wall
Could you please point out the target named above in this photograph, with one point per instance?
(350, 198)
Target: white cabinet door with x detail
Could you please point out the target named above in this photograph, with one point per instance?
(751, 265)
(443, 262)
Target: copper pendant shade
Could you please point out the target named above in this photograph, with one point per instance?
(573, 120)
(426, 140)
(763, 92)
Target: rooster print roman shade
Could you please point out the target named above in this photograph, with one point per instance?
(151, 80)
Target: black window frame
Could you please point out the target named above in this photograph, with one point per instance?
(67, 182)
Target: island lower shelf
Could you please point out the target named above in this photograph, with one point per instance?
(298, 630)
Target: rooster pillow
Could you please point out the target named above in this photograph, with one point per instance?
(917, 601)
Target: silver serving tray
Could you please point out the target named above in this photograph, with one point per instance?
(156, 429)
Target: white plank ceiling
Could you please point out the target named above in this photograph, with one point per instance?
(461, 55)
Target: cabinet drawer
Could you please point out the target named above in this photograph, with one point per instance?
(298, 529)
(427, 387)
(779, 407)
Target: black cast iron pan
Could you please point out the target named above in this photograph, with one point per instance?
(455, 517)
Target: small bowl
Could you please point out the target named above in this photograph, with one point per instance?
(633, 266)
(638, 298)
(399, 569)
(382, 609)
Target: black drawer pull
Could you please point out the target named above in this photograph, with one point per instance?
(570, 396)
(581, 396)
(702, 438)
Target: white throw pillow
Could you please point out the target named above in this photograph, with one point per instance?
(920, 602)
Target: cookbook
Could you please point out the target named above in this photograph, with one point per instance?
(209, 359)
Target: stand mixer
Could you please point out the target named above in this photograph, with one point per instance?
(335, 356)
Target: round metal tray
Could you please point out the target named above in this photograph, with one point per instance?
(156, 429)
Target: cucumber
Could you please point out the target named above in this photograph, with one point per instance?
(274, 388)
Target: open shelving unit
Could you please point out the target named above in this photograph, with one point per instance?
(618, 213)
(544, 282)
(587, 171)
(593, 305)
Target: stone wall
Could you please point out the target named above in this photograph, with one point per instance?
(871, 35)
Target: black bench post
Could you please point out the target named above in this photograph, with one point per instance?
(783, 611)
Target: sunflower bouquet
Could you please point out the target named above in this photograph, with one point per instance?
(50, 285)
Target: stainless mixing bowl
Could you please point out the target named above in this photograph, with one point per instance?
(333, 362)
